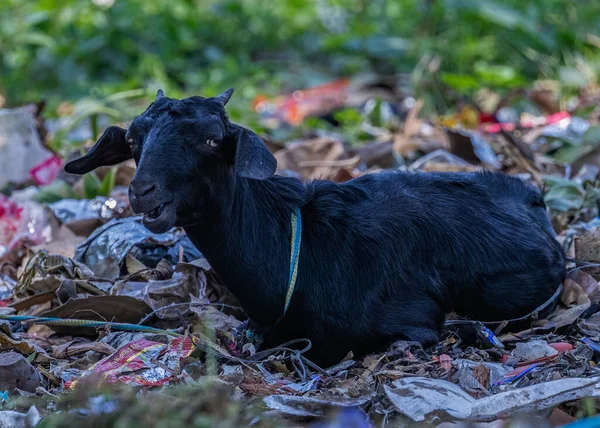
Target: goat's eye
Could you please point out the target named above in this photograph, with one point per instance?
(130, 141)
(211, 142)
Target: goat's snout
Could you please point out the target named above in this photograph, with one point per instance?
(141, 189)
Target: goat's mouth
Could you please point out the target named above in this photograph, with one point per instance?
(154, 214)
(161, 218)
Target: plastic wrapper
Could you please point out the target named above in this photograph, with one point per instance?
(295, 107)
(7, 284)
(533, 350)
(310, 406)
(594, 346)
(9, 418)
(85, 216)
(46, 171)
(516, 374)
(526, 122)
(70, 210)
(567, 129)
(421, 399)
(471, 379)
(141, 363)
(106, 249)
(20, 147)
(21, 222)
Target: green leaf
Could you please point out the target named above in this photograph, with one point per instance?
(573, 77)
(54, 192)
(91, 185)
(348, 117)
(592, 197)
(592, 136)
(108, 183)
(498, 75)
(571, 153)
(460, 82)
(500, 14)
(563, 195)
(35, 38)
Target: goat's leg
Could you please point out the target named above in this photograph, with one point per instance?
(426, 336)
(416, 321)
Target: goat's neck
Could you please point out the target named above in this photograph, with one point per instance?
(245, 236)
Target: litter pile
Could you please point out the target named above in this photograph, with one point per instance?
(90, 299)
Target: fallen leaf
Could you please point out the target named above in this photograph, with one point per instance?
(74, 347)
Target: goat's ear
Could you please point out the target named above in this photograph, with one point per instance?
(252, 158)
(109, 150)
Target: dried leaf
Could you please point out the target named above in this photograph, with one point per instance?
(73, 348)
(98, 308)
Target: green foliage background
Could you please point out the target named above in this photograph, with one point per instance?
(71, 49)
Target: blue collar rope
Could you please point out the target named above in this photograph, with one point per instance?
(295, 240)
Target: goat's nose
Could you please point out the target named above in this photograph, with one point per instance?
(141, 189)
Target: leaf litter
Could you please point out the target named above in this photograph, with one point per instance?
(89, 259)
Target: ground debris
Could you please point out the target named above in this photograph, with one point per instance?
(164, 328)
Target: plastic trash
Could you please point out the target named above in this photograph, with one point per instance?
(20, 145)
(421, 398)
(71, 210)
(12, 419)
(470, 378)
(141, 363)
(533, 350)
(20, 222)
(310, 406)
(106, 249)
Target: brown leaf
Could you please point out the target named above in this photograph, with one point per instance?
(72, 348)
(573, 294)
(211, 318)
(482, 374)
(587, 283)
(319, 158)
(27, 302)
(39, 331)
(187, 280)
(64, 242)
(134, 265)
(443, 161)
(98, 308)
(587, 246)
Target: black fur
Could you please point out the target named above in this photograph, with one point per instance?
(383, 256)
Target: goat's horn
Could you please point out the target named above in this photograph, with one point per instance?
(225, 96)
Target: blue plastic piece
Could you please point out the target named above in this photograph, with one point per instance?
(487, 335)
(591, 344)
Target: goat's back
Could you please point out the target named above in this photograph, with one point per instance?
(394, 248)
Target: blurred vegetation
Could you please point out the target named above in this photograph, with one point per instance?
(87, 50)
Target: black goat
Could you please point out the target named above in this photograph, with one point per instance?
(383, 257)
